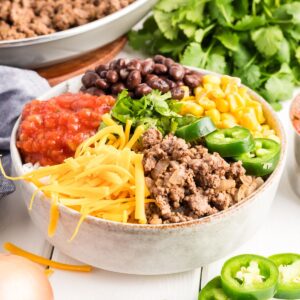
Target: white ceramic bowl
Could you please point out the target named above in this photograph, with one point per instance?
(53, 48)
(154, 249)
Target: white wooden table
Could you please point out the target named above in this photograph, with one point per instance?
(280, 233)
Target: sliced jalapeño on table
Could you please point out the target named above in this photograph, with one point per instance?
(196, 130)
(289, 275)
(249, 277)
(263, 159)
(213, 291)
(230, 142)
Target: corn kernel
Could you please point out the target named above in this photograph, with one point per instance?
(226, 116)
(214, 114)
(216, 93)
(233, 105)
(209, 87)
(238, 114)
(198, 90)
(212, 79)
(190, 107)
(241, 101)
(222, 105)
(186, 91)
(206, 103)
(249, 120)
(227, 124)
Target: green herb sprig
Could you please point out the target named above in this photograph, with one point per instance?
(258, 40)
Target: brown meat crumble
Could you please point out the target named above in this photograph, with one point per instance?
(28, 18)
(187, 182)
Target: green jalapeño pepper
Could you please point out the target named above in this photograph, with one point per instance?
(196, 130)
(289, 275)
(213, 291)
(230, 142)
(263, 159)
(249, 277)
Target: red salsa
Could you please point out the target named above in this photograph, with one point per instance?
(295, 113)
(51, 130)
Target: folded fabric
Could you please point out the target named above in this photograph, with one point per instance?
(17, 87)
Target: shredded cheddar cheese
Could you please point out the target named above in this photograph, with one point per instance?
(105, 179)
(11, 248)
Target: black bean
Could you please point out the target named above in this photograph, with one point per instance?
(142, 89)
(171, 83)
(103, 74)
(192, 81)
(95, 91)
(123, 74)
(117, 88)
(158, 84)
(169, 62)
(89, 79)
(150, 77)
(176, 71)
(177, 93)
(134, 64)
(100, 68)
(121, 63)
(134, 79)
(112, 76)
(147, 67)
(160, 69)
(159, 59)
(113, 65)
(180, 83)
(101, 84)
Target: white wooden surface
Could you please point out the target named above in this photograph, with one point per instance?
(280, 233)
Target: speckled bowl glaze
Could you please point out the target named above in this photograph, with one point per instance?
(154, 249)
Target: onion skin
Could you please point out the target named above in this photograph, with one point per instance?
(22, 279)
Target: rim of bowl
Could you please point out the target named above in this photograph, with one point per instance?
(75, 30)
(204, 220)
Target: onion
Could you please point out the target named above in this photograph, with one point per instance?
(22, 279)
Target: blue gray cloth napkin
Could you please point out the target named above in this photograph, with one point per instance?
(17, 87)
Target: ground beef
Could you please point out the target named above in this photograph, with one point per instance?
(187, 182)
(28, 18)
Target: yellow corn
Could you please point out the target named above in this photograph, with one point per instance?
(222, 105)
(265, 127)
(241, 101)
(233, 105)
(211, 79)
(249, 120)
(216, 93)
(226, 116)
(190, 107)
(227, 124)
(214, 114)
(206, 103)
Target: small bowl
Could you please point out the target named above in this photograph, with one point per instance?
(154, 249)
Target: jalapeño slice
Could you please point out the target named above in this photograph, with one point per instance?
(249, 276)
(230, 142)
(196, 130)
(213, 291)
(289, 275)
(263, 159)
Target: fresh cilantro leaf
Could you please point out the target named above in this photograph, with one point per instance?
(170, 5)
(279, 88)
(196, 12)
(276, 106)
(222, 11)
(296, 73)
(267, 40)
(250, 76)
(229, 39)
(241, 57)
(199, 35)
(163, 21)
(193, 55)
(284, 54)
(240, 8)
(250, 22)
(216, 63)
(173, 48)
(297, 54)
(295, 32)
(189, 29)
(289, 11)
